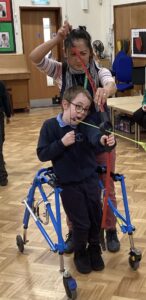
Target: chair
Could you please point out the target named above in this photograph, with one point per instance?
(116, 61)
(139, 77)
(123, 74)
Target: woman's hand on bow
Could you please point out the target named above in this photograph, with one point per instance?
(100, 98)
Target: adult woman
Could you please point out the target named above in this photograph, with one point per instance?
(71, 73)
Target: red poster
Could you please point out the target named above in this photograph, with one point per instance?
(5, 11)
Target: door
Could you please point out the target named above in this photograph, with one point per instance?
(32, 36)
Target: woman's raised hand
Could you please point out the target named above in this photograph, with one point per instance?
(64, 30)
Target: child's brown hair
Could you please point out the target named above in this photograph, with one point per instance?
(72, 92)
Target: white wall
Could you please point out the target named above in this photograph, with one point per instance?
(71, 8)
(98, 18)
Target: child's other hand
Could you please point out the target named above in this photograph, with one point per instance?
(69, 138)
(108, 140)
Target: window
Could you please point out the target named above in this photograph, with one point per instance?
(47, 36)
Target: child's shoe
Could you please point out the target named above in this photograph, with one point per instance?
(82, 261)
(3, 182)
(97, 262)
(69, 243)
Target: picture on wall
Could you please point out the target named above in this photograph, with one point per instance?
(138, 42)
(7, 40)
(4, 40)
(5, 11)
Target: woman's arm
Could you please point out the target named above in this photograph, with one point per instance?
(39, 52)
(108, 88)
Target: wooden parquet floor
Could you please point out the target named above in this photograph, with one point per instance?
(34, 275)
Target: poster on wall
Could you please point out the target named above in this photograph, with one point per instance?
(7, 40)
(138, 42)
(5, 11)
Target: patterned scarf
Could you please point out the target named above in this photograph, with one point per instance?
(70, 72)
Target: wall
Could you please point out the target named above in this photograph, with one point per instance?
(98, 18)
(75, 14)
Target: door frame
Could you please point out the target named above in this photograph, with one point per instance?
(25, 10)
(57, 10)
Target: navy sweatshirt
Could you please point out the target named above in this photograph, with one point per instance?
(74, 163)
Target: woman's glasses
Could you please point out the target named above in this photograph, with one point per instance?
(79, 108)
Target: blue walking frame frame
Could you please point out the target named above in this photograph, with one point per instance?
(46, 177)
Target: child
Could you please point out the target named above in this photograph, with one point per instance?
(5, 110)
(65, 141)
(139, 116)
(69, 74)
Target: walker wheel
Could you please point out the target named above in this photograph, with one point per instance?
(70, 287)
(133, 264)
(134, 259)
(20, 243)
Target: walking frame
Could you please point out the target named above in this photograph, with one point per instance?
(46, 177)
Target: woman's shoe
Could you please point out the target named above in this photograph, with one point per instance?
(112, 241)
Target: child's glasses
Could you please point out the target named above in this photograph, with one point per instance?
(79, 108)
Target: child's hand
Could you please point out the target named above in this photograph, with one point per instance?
(108, 140)
(69, 138)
